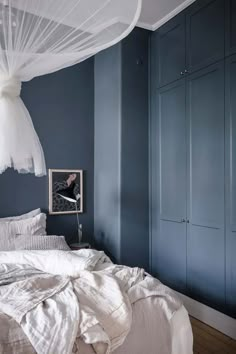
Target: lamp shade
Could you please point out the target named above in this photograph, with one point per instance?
(68, 194)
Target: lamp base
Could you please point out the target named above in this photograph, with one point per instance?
(79, 246)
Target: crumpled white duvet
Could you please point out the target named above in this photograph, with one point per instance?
(57, 296)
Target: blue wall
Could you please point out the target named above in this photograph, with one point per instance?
(134, 150)
(74, 125)
(62, 109)
(121, 150)
(107, 150)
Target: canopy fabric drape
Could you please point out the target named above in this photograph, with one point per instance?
(38, 37)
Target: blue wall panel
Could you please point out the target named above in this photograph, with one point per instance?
(121, 150)
(134, 151)
(107, 151)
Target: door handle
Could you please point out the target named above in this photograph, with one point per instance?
(183, 220)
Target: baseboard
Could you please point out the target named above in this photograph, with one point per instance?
(211, 317)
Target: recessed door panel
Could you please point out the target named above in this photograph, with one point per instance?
(172, 138)
(206, 160)
(169, 257)
(171, 254)
(231, 184)
(206, 234)
(205, 33)
(206, 270)
(171, 50)
(230, 27)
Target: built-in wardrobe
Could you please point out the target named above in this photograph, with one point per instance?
(193, 153)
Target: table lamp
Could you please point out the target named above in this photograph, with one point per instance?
(69, 195)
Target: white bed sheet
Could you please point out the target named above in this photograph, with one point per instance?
(142, 338)
(151, 331)
(136, 343)
(182, 335)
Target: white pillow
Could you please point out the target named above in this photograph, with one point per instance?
(29, 215)
(31, 226)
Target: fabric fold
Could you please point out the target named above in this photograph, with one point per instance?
(82, 295)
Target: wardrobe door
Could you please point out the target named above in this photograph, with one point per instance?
(205, 33)
(169, 245)
(230, 39)
(231, 184)
(206, 241)
(171, 50)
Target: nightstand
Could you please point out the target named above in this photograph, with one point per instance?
(79, 246)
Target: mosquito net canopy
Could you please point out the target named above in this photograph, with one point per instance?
(38, 37)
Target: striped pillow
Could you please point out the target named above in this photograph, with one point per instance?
(29, 242)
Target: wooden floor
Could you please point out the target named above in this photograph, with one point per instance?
(207, 340)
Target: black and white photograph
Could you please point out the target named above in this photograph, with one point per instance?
(65, 191)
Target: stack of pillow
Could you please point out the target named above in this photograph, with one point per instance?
(28, 232)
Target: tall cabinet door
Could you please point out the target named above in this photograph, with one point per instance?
(171, 51)
(206, 240)
(231, 184)
(169, 250)
(230, 39)
(205, 33)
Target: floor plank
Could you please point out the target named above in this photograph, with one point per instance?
(207, 340)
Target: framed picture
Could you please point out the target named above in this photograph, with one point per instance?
(65, 191)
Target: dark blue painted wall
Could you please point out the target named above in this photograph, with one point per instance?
(134, 150)
(121, 150)
(62, 109)
(107, 150)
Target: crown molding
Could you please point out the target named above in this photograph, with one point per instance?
(144, 25)
(169, 16)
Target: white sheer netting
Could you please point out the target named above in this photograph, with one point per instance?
(38, 37)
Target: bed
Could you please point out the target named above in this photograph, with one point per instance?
(57, 301)
(139, 341)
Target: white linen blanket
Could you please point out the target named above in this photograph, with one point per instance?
(57, 296)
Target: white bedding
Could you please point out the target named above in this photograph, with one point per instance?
(74, 296)
(182, 335)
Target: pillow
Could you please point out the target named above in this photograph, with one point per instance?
(32, 243)
(31, 226)
(25, 242)
(29, 215)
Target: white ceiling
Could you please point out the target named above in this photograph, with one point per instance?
(156, 12)
(153, 15)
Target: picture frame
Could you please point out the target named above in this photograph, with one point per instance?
(59, 181)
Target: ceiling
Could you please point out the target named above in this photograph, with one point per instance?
(153, 15)
(156, 12)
